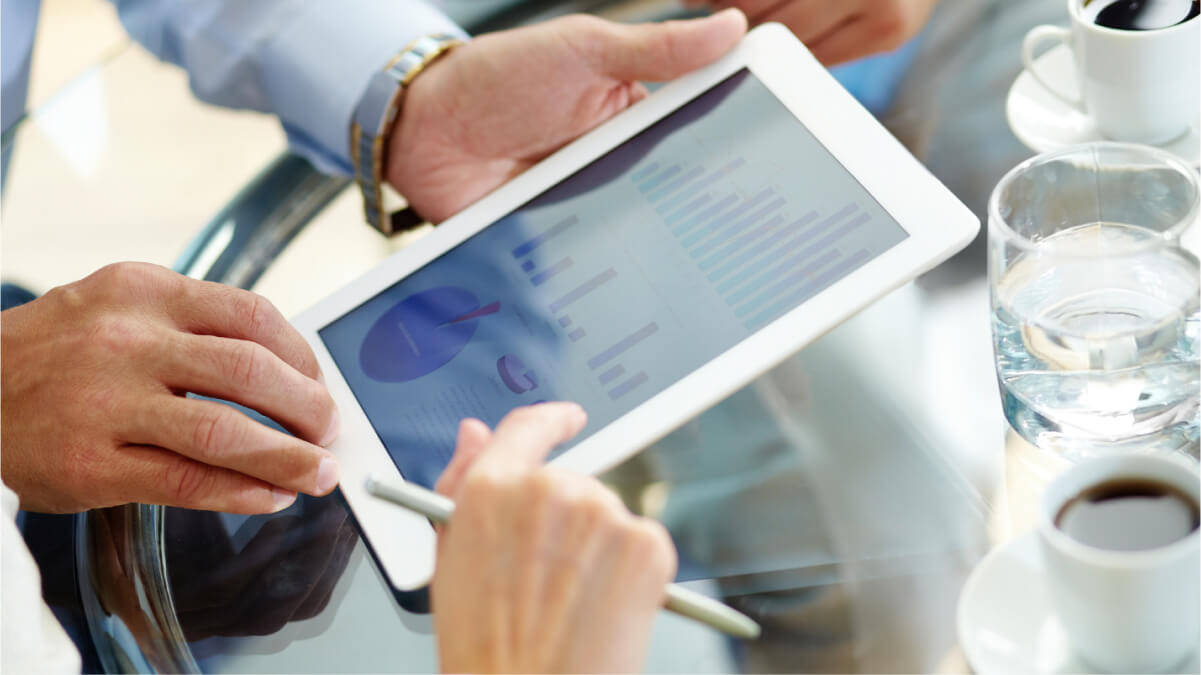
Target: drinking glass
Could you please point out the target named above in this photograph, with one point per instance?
(1094, 301)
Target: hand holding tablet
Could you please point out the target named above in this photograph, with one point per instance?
(645, 271)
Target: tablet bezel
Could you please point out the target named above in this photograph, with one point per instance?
(938, 225)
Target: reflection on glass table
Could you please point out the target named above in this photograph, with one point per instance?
(841, 500)
(838, 515)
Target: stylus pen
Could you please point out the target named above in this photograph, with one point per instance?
(680, 600)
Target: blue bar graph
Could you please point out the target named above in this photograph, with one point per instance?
(612, 374)
(675, 184)
(789, 280)
(687, 209)
(700, 185)
(541, 277)
(623, 345)
(627, 386)
(583, 289)
(658, 180)
(526, 247)
(819, 245)
(576, 334)
(808, 290)
(704, 215)
(724, 253)
(644, 172)
(790, 247)
(777, 235)
(528, 266)
(738, 212)
(735, 229)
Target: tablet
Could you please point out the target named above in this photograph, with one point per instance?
(646, 271)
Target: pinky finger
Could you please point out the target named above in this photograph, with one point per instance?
(152, 475)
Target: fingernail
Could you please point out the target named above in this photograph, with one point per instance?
(281, 499)
(335, 428)
(327, 475)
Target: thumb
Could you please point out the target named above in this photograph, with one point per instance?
(658, 52)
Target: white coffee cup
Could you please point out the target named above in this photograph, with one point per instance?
(1124, 611)
(1137, 85)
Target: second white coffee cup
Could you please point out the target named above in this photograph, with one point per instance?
(1127, 611)
(1137, 85)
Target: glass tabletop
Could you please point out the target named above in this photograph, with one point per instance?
(842, 517)
(841, 500)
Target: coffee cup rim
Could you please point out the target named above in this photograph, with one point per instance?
(1076, 10)
(1101, 469)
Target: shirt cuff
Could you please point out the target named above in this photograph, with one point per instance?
(318, 65)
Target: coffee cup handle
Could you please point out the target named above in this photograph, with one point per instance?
(1036, 37)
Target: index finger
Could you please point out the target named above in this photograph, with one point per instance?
(211, 308)
(526, 436)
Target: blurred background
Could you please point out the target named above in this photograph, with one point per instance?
(118, 161)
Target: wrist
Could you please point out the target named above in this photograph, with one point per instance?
(419, 135)
(375, 120)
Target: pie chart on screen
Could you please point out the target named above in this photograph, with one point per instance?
(422, 333)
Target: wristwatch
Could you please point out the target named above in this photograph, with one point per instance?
(374, 117)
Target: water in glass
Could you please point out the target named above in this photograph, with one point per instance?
(1098, 351)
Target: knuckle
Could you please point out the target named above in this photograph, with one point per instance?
(653, 544)
(303, 353)
(127, 283)
(259, 313)
(114, 333)
(72, 296)
(321, 403)
(111, 273)
(673, 46)
(599, 503)
(188, 482)
(209, 433)
(544, 485)
(593, 503)
(246, 363)
(481, 485)
(124, 274)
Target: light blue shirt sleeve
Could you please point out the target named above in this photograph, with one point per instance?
(306, 61)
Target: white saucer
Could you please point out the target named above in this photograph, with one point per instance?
(1005, 621)
(1043, 122)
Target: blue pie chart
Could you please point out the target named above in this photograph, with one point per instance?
(421, 333)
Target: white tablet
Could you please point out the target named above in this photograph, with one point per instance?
(646, 271)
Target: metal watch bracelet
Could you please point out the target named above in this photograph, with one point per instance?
(374, 117)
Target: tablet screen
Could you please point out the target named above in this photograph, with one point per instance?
(615, 283)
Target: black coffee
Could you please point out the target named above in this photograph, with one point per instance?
(1143, 14)
(1129, 515)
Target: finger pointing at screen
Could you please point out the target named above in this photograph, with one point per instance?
(542, 570)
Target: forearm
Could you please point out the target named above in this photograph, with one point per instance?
(305, 62)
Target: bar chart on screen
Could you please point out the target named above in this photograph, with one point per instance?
(573, 285)
(762, 254)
